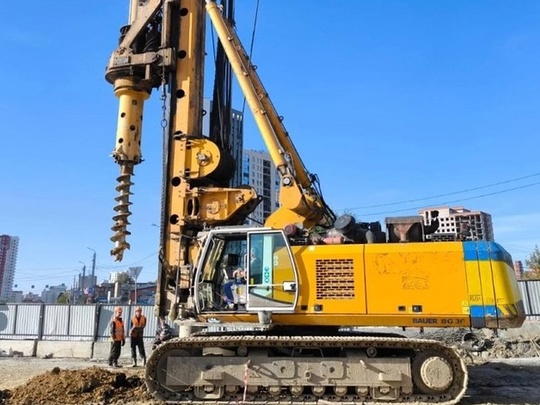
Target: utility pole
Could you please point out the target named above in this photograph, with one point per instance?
(72, 298)
(93, 266)
(83, 277)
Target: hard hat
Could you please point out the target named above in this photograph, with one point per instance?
(138, 309)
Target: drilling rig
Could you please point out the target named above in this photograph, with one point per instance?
(287, 328)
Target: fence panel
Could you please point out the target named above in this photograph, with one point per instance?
(55, 321)
(8, 318)
(151, 322)
(82, 322)
(530, 290)
(69, 322)
(28, 322)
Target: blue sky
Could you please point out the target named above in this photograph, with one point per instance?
(389, 102)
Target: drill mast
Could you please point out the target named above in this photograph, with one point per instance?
(164, 45)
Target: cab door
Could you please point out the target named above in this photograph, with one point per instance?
(272, 277)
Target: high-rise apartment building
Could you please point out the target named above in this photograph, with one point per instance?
(9, 246)
(459, 223)
(236, 138)
(259, 172)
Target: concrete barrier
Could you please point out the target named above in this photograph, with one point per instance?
(27, 347)
(65, 348)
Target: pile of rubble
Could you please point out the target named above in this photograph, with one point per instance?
(10, 353)
(485, 345)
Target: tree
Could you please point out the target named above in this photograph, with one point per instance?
(125, 278)
(533, 264)
(64, 298)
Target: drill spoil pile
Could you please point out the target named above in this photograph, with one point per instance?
(86, 386)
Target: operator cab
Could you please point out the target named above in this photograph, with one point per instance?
(247, 270)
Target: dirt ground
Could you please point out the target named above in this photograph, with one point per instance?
(504, 372)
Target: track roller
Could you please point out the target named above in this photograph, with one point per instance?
(340, 391)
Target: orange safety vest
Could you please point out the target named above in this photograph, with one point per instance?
(118, 330)
(138, 325)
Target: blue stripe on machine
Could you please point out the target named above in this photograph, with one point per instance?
(478, 319)
(483, 250)
(484, 310)
(479, 313)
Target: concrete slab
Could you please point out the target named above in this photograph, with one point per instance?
(27, 347)
(529, 330)
(64, 348)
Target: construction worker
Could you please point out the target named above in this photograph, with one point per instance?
(118, 338)
(136, 333)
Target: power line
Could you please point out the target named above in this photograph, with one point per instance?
(446, 194)
(455, 201)
(66, 272)
(47, 268)
(43, 277)
(252, 43)
(105, 267)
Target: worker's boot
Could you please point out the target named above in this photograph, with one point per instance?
(144, 361)
(134, 362)
(117, 365)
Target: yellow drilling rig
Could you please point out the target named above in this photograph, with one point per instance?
(274, 314)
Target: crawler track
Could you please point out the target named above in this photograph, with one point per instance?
(290, 370)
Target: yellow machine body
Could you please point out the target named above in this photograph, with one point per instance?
(439, 284)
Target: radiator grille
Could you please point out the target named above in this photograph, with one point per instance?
(335, 279)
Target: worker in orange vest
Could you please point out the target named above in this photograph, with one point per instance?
(136, 333)
(118, 338)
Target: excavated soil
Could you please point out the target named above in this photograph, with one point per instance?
(92, 385)
(501, 372)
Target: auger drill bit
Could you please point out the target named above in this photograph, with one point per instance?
(127, 154)
(122, 212)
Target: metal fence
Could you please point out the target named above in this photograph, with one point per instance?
(66, 322)
(91, 322)
(530, 291)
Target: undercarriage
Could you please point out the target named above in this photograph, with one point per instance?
(270, 369)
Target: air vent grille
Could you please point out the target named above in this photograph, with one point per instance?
(335, 279)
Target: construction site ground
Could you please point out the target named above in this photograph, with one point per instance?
(505, 372)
